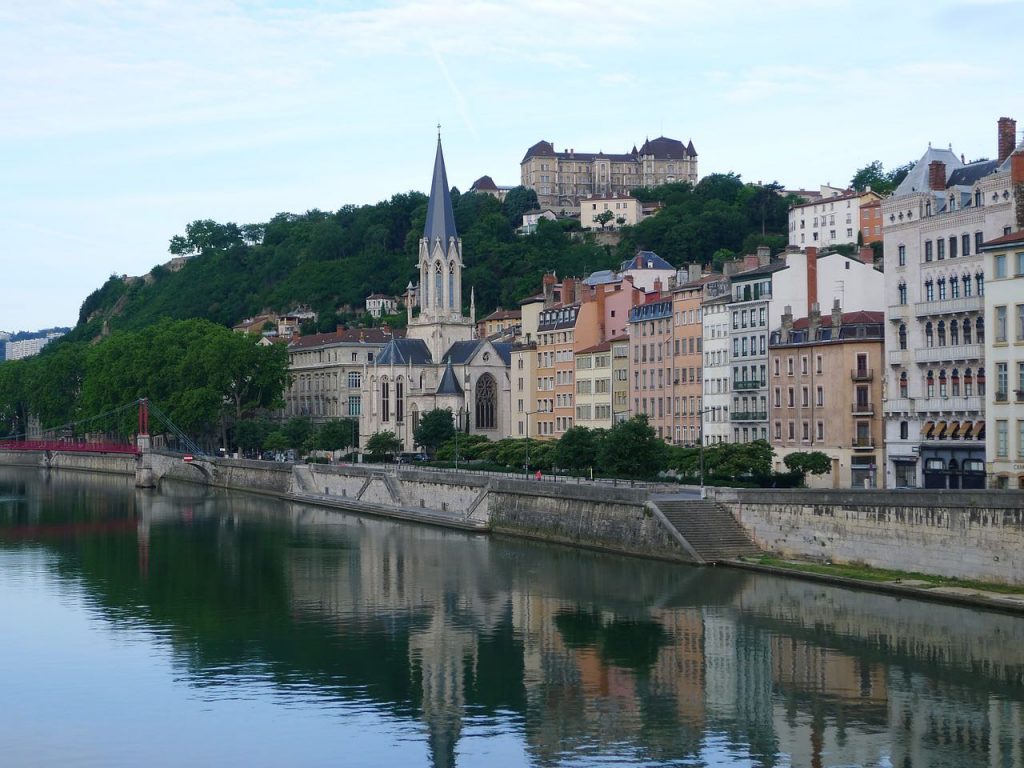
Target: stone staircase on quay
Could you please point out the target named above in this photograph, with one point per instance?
(706, 529)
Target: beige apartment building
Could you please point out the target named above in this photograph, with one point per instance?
(594, 386)
(826, 394)
(562, 179)
(620, 378)
(650, 334)
(626, 211)
(687, 359)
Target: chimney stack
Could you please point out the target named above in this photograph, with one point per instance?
(750, 261)
(693, 273)
(657, 285)
(1007, 138)
(936, 175)
(764, 255)
(837, 318)
(548, 282)
(568, 290)
(787, 325)
(812, 275)
(813, 321)
(867, 254)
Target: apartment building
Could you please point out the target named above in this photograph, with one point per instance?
(826, 393)
(717, 397)
(562, 179)
(620, 210)
(1004, 356)
(326, 371)
(934, 226)
(835, 219)
(760, 295)
(687, 358)
(620, 378)
(594, 386)
(650, 335)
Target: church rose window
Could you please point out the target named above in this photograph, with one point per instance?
(486, 402)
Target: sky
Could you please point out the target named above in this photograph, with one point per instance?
(122, 121)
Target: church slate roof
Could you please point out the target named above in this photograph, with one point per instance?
(449, 381)
(440, 221)
(646, 260)
(966, 176)
(504, 350)
(461, 352)
(403, 352)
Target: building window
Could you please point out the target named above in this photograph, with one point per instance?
(904, 430)
(1000, 318)
(1002, 381)
(1002, 438)
(902, 255)
(903, 384)
(385, 401)
(903, 293)
(355, 405)
(927, 250)
(1000, 265)
(940, 249)
(902, 337)
(486, 402)
(355, 380)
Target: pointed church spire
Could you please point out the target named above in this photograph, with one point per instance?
(440, 221)
(472, 304)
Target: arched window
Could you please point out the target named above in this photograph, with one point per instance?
(903, 384)
(968, 383)
(942, 288)
(955, 378)
(929, 334)
(385, 400)
(414, 417)
(451, 285)
(980, 381)
(967, 330)
(399, 400)
(929, 382)
(438, 283)
(943, 388)
(904, 430)
(929, 290)
(979, 328)
(942, 333)
(903, 293)
(977, 200)
(954, 329)
(903, 336)
(979, 281)
(954, 287)
(486, 402)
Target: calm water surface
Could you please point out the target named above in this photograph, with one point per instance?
(191, 628)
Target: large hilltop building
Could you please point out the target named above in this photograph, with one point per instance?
(440, 363)
(562, 179)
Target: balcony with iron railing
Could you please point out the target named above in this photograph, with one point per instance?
(863, 409)
(862, 374)
(950, 354)
(749, 416)
(864, 442)
(743, 384)
(958, 305)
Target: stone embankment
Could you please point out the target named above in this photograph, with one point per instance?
(971, 535)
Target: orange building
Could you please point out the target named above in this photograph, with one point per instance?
(687, 361)
(871, 222)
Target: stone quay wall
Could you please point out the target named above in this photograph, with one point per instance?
(960, 534)
(107, 463)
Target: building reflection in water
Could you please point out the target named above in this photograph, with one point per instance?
(584, 654)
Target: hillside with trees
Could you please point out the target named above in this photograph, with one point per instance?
(332, 261)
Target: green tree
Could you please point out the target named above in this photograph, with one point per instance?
(381, 445)
(251, 433)
(577, 449)
(808, 462)
(298, 430)
(435, 428)
(14, 397)
(633, 449)
(335, 435)
(752, 459)
(604, 218)
(276, 441)
(518, 201)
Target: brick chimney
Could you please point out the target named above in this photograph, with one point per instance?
(568, 290)
(1007, 137)
(867, 254)
(837, 318)
(936, 175)
(548, 282)
(811, 254)
(750, 261)
(1017, 167)
(657, 286)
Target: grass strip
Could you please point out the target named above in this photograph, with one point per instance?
(867, 573)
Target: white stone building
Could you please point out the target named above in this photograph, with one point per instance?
(934, 225)
(716, 399)
(440, 363)
(1004, 357)
(833, 219)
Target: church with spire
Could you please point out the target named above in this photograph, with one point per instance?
(440, 363)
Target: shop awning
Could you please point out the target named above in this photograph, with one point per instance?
(979, 430)
(954, 430)
(926, 430)
(967, 427)
(940, 430)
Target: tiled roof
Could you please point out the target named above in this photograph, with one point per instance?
(860, 317)
(1013, 237)
(504, 314)
(404, 352)
(347, 336)
(602, 347)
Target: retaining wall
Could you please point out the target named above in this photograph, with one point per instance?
(961, 534)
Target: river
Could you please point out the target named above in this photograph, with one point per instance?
(188, 627)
